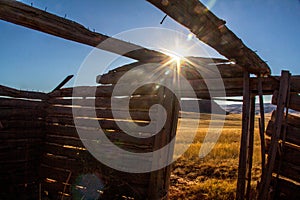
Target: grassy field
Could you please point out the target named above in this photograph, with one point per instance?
(215, 175)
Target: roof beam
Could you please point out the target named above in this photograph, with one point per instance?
(33, 18)
(212, 31)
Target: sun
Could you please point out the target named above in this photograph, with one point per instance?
(174, 58)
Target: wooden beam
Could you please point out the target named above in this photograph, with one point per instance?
(30, 17)
(10, 92)
(212, 31)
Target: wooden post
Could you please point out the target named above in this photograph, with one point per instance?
(159, 179)
(281, 104)
(240, 192)
(262, 125)
(250, 146)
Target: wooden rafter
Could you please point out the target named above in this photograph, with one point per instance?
(212, 31)
(27, 16)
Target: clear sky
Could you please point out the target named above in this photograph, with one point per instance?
(36, 61)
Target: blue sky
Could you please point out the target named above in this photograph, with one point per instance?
(36, 61)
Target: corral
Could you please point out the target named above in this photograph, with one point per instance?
(44, 135)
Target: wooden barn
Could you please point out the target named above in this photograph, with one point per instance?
(44, 136)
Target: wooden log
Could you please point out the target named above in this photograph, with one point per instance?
(136, 103)
(13, 124)
(10, 92)
(138, 146)
(18, 153)
(212, 31)
(99, 91)
(120, 139)
(187, 71)
(21, 114)
(84, 155)
(21, 103)
(24, 15)
(68, 112)
(202, 60)
(294, 102)
(18, 179)
(20, 142)
(114, 136)
(269, 84)
(69, 152)
(94, 123)
(21, 134)
(61, 162)
(292, 133)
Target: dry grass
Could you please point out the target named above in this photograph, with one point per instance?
(215, 175)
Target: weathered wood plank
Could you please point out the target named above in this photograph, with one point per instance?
(291, 153)
(284, 91)
(12, 124)
(292, 119)
(92, 113)
(21, 103)
(292, 133)
(74, 165)
(21, 134)
(131, 145)
(117, 136)
(294, 102)
(212, 31)
(99, 91)
(21, 114)
(60, 175)
(10, 92)
(93, 123)
(24, 15)
(269, 84)
(17, 153)
(84, 155)
(295, 84)
(288, 189)
(190, 73)
(135, 103)
(54, 189)
(288, 170)
(243, 157)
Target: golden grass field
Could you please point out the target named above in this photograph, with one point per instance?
(214, 176)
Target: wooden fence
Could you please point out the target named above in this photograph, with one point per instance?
(281, 179)
(22, 116)
(42, 154)
(66, 159)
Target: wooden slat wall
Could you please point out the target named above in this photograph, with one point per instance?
(66, 159)
(22, 115)
(287, 163)
(198, 74)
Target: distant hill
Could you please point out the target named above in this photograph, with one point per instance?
(204, 106)
(237, 108)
